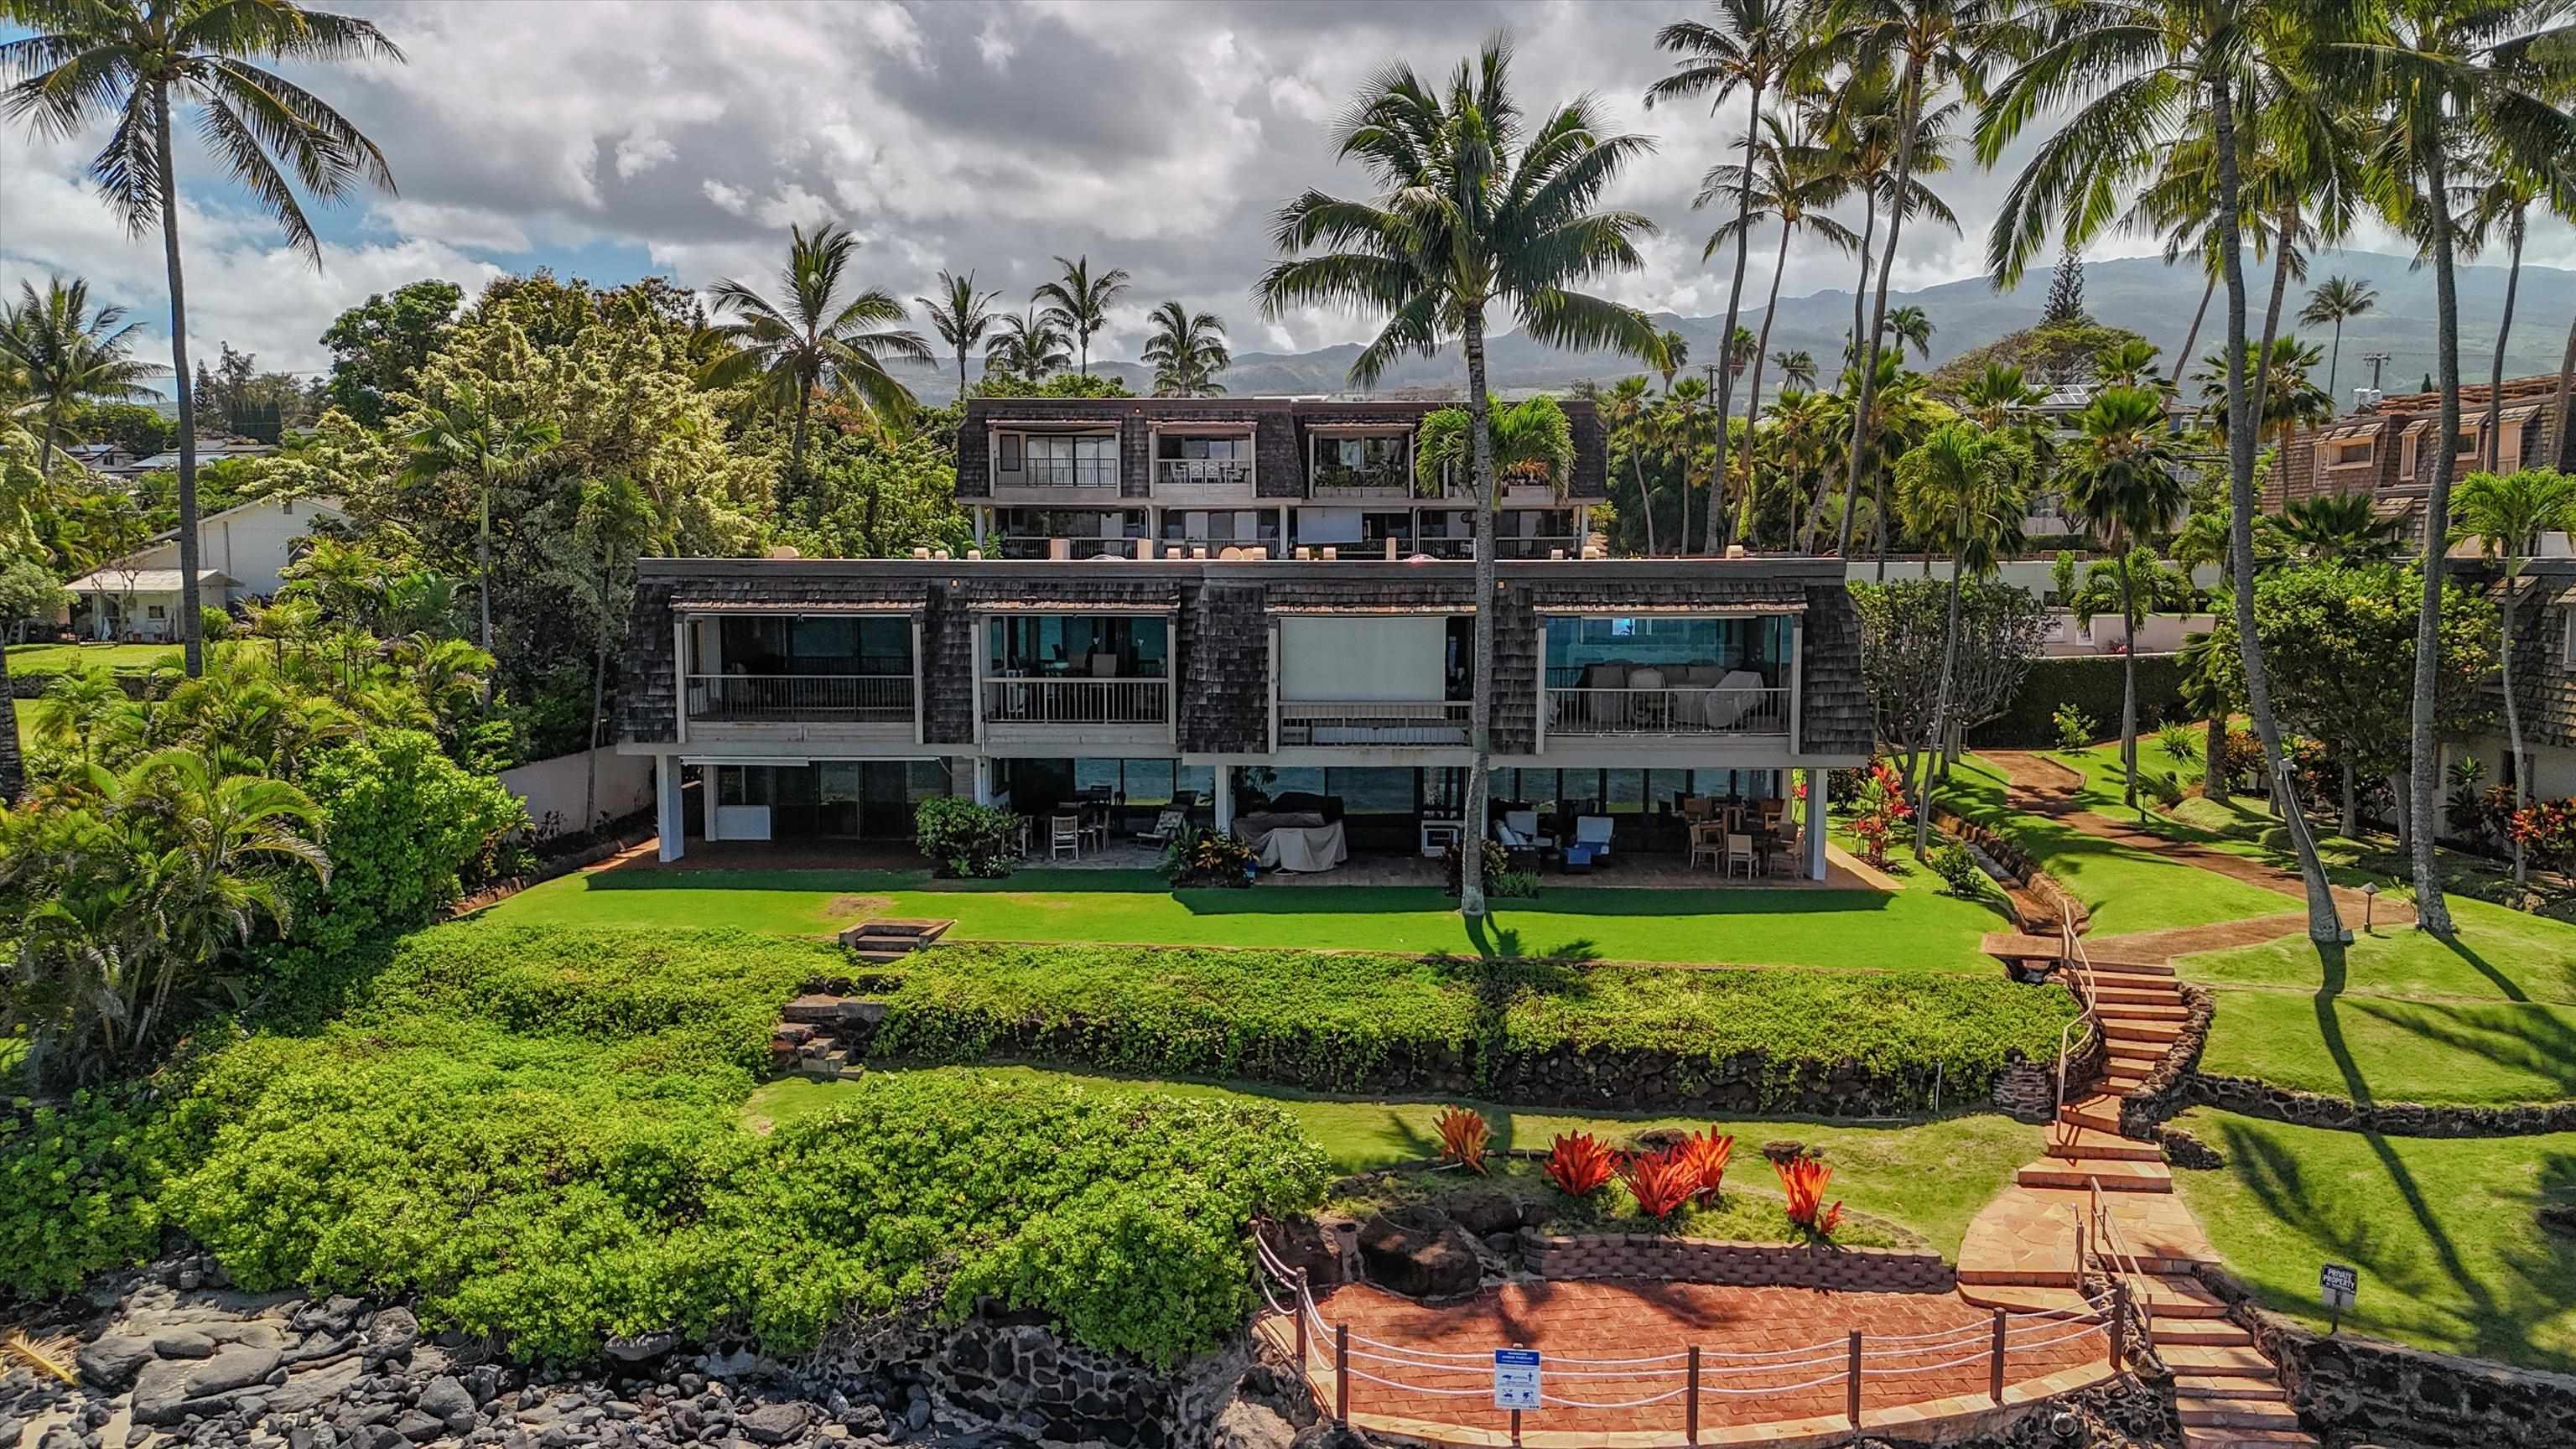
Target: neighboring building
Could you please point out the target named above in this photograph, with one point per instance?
(209, 450)
(1083, 477)
(823, 698)
(2386, 449)
(241, 553)
(2544, 678)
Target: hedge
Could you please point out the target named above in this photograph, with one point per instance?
(2092, 682)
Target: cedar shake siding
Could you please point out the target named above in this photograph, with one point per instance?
(1221, 612)
(2386, 452)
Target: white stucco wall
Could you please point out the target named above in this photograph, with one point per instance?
(555, 786)
(251, 543)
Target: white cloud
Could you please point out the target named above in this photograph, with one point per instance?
(642, 150)
(732, 199)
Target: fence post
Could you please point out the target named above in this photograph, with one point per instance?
(1690, 1404)
(2119, 1322)
(1297, 1309)
(1852, 1376)
(1342, 1374)
(1995, 1363)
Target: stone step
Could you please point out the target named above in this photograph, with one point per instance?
(2017, 1277)
(2176, 1296)
(2247, 1439)
(923, 928)
(2082, 1143)
(2121, 1084)
(2202, 1333)
(2195, 1386)
(2131, 1011)
(2114, 1174)
(2216, 1361)
(2150, 1031)
(2022, 1298)
(2234, 1414)
(813, 1007)
(880, 955)
(829, 1064)
(2099, 1114)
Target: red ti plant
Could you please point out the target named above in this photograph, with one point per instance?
(1705, 1153)
(1578, 1164)
(1463, 1139)
(1803, 1179)
(1662, 1182)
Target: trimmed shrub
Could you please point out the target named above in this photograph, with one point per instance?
(2091, 683)
(79, 1189)
(1198, 857)
(964, 839)
(1960, 874)
(2075, 729)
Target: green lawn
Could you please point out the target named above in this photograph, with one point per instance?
(1929, 1179)
(2444, 1232)
(2498, 955)
(2126, 888)
(1915, 929)
(34, 659)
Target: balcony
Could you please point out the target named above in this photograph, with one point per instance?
(1373, 722)
(1203, 482)
(1695, 712)
(802, 706)
(1386, 480)
(1076, 711)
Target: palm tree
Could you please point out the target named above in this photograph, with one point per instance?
(1079, 302)
(2500, 200)
(2208, 691)
(65, 355)
(961, 315)
(2124, 479)
(1028, 345)
(2289, 395)
(132, 61)
(1750, 45)
(463, 434)
(1797, 369)
(1187, 352)
(1624, 413)
(2337, 528)
(1794, 182)
(1911, 325)
(2507, 515)
(2336, 300)
(787, 351)
(2430, 71)
(1671, 355)
(1476, 208)
(1960, 491)
(615, 523)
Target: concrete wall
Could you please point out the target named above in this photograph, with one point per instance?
(2553, 767)
(556, 786)
(250, 543)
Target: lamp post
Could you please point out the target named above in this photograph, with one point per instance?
(2369, 899)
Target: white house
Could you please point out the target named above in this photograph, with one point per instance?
(241, 553)
(141, 603)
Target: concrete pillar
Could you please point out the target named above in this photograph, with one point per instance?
(668, 818)
(1224, 798)
(1819, 792)
(983, 780)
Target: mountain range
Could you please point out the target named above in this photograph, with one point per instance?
(2142, 294)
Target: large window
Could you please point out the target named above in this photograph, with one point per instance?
(1758, 645)
(1232, 450)
(1086, 460)
(823, 645)
(1077, 645)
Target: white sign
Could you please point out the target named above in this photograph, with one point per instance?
(2338, 1283)
(1515, 1378)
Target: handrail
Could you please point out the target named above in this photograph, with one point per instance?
(2088, 995)
(1077, 699)
(2121, 1262)
(1373, 722)
(1668, 710)
(793, 698)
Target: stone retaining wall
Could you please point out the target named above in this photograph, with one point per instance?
(2168, 1089)
(1736, 1265)
(2365, 1390)
(2251, 1097)
(2026, 873)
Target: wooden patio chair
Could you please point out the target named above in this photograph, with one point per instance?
(1064, 836)
(1708, 841)
(1740, 848)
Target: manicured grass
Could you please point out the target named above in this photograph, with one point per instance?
(2498, 955)
(2126, 888)
(2380, 1048)
(1915, 929)
(1929, 1178)
(34, 659)
(2444, 1232)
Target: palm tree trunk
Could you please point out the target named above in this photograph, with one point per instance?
(796, 445)
(2334, 364)
(2282, 228)
(2174, 382)
(2351, 799)
(1645, 501)
(1909, 107)
(1878, 505)
(961, 372)
(191, 627)
(1681, 541)
(2512, 712)
(1480, 707)
(13, 773)
(1753, 394)
(598, 692)
(2494, 450)
(2213, 773)
(2432, 913)
(483, 562)
(1726, 339)
(1851, 491)
(2128, 684)
(1940, 714)
(2567, 396)
(45, 452)
(2323, 925)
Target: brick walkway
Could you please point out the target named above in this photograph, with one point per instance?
(1630, 1319)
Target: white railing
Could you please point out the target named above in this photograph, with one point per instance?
(1077, 701)
(1432, 1383)
(1203, 472)
(2079, 978)
(1683, 711)
(1373, 722)
(800, 698)
(1373, 480)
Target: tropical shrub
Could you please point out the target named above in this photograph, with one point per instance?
(2180, 741)
(1960, 874)
(1661, 1182)
(1512, 885)
(1498, 863)
(79, 1189)
(1578, 1164)
(1199, 857)
(1464, 1136)
(2244, 762)
(2075, 729)
(1706, 1153)
(1803, 1176)
(1881, 808)
(2546, 830)
(964, 840)
(2162, 786)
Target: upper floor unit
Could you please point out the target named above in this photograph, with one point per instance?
(1356, 662)
(1187, 453)
(2388, 450)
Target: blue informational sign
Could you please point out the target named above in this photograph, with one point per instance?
(1515, 1378)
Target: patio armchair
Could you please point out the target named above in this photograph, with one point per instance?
(1708, 841)
(1740, 848)
(1064, 836)
(1591, 843)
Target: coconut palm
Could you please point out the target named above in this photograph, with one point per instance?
(2507, 514)
(65, 354)
(1748, 45)
(1027, 345)
(1476, 208)
(1671, 355)
(2337, 300)
(2429, 72)
(2290, 396)
(133, 62)
(1187, 352)
(1797, 369)
(1911, 325)
(462, 434)
(1624, 413)
(1793, 183)
(811, 341)
(1960, 490)
(2126, 364)
(2336, 528)
(1078, 302)
(2500, 198)
(2208, 691)
(2124, 479)
(962, 316)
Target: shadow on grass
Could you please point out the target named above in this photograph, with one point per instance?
(2503, 983)
(2520, 1039)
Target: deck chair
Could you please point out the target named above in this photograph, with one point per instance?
(1064, 836)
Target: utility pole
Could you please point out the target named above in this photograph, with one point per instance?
(2376, 360)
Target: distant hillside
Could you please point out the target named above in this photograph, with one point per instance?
(2139, 293)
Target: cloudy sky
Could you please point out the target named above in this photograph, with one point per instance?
(617, 138)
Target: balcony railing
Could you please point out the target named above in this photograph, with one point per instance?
(1203, 473)
(1077, 701)
(1689, 711)
(1516, 546)
(1373, 722)
(800, 698)
(1018, 547)
(1375, 480)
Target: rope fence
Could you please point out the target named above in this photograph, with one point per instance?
(1332, 1352)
